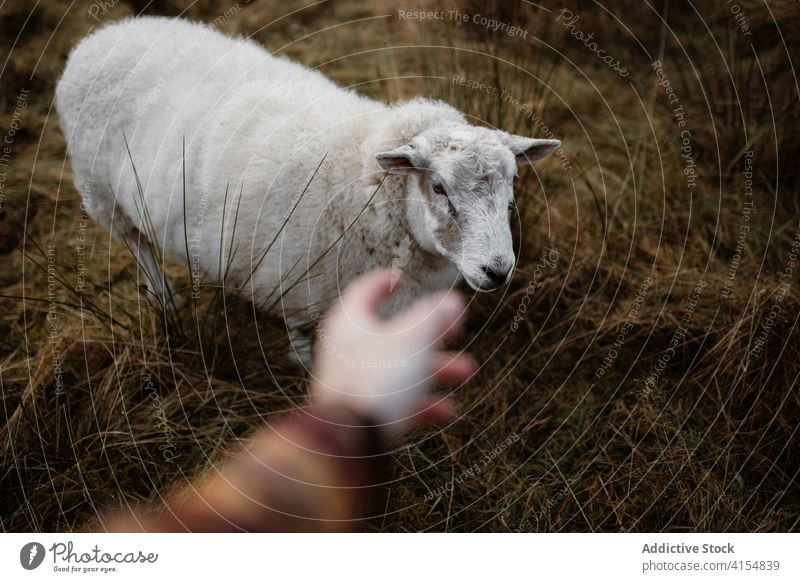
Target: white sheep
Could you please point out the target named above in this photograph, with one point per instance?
(411, 186)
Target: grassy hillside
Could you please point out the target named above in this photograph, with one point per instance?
(640, 372)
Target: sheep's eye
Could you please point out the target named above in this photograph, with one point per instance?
(511, 205)
(439, 189)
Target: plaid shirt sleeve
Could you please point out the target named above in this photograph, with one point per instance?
(314, 471)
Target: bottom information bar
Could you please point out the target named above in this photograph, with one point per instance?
(387, 557)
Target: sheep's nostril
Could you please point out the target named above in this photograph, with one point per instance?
(496, 276)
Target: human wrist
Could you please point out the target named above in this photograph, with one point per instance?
(388, 407)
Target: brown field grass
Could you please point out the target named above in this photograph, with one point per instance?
(704, 441)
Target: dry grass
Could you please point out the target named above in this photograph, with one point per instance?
(711, 446)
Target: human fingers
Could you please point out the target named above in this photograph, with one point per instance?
(432, 318)
(452, 367)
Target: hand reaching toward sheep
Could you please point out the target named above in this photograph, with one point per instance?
(381, 369)
(324, 468)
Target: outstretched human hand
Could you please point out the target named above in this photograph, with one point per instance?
(382, 369)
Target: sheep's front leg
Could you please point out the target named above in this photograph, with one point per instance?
(157, 282)
(301, 341)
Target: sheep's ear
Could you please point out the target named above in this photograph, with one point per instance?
(406, 159)
(527, 149)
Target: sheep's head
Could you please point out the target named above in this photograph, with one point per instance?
(459, 192)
